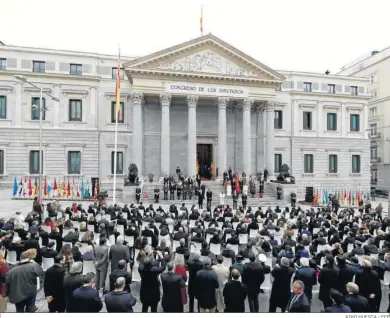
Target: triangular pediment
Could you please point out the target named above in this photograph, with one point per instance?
(206, 55)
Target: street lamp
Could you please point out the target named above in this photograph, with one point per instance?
(41, 110)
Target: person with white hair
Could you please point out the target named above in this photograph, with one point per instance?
(307, 275)
(118, 252)
(369, 284)
(356, 302)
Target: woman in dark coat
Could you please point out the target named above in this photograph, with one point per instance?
(149, 271)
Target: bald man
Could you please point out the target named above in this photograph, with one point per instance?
(235, 293)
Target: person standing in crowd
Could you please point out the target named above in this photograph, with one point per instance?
(299, 301)
(119, 251)
(354, 301)
(308, 276)
(172, 284)
(3, 285)
(22, 283)
(222, 272)
(72, 281)
(280, 286)
(369, 285)
(328, 280)
(121, 271)
(206, 284)
(235, 293)
(54, 285)
(86, 297)
(338, 306)
(101, 263)
(194, 265)
(119, 300)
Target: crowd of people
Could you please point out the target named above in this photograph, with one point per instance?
(215, 259)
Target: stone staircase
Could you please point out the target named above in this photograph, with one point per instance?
(269, 198)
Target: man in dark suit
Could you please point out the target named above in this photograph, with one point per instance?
(54, 286)
(120, 300)
(194, 265)
(299, 302)
(118, 252)
(356, 302)
(172, 285)
(121, 271)
(234, 293)
(86, 297)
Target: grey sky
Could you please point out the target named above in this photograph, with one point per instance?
(303, 35)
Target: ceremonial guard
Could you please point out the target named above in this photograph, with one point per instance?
(185, 190)
(166, 188)
(279, 192)
(252, 186)
(178, 171)
(138, 195)
(244, 199)
(293, 199)
(190, 191)
(209, 196)
(172, 191)
(235, 198)
(200, 200)
(156, 195)
(178, 191)
(203, 188)
(261, 189)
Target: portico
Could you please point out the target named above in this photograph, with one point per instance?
(202, 89)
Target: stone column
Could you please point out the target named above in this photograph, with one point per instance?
(222, 104)
(137, 146)
(246, 136)
(270, 139)
(165, 100)
(192, 100)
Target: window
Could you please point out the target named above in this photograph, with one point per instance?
(374, 175)
(374, 153)
(3, 107)
(308, 164)
(3, 64)
(34, 162)
(121, 118)
(332, 163)
(332, 121)
(373, 129)
(35, 108)
(277, 162)
(307, 87)
(2, 162)
(75, 110)
(355, 122)
(372, 79)
(331, 89)
(354, 90)
(307, 124)
(278, 121)
(373, 112)
(76, 69)
(74, 162)
(355, 164)
(38, 67)
(115, 72)
(119, 162)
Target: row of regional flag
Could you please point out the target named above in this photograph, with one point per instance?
(345, 197)
(70, 189)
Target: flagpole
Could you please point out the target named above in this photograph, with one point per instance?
(117, 94)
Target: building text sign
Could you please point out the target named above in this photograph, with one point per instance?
(207, 90)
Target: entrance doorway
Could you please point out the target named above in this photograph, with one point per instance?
(205, 158)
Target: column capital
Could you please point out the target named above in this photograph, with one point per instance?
(165, 99)
(247, 103)
(137, 97)
(223, 102)
(192, 100)
(270, 105)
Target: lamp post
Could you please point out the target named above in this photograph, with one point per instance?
(41, 110)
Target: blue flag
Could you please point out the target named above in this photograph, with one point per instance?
(82, 189)
(15, 187)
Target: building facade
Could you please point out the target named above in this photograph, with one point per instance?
(375, 67)
(199, 104)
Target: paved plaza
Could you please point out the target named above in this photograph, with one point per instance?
(8, 207)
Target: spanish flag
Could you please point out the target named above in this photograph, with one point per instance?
(118, 88)
(201, 20)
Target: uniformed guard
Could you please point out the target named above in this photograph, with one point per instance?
(185, 190)
(244, 199)
(156, 195)
(190, 192)
(235, 198)
(279, 192)
(172, 191)
(293, 199)
(166, 188)
(209, 196)
(178, 191)
(138, 195)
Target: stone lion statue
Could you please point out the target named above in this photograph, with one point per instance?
(132, 177)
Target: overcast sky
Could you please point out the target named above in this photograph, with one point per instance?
(301, 35)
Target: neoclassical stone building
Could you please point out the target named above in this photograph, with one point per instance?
(201, 102)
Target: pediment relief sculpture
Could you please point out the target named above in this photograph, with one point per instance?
(207, 61)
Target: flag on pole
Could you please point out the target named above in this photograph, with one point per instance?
(201, 20)
(64, 192)
(82, 189)
(35, 187)
(15, 190)
(25, 187)
(29, 187)
(68, 189)
(73, 189)
(78, 189)
(48, 189)
(118, 89)
(21, 187)
(55, 188)
(45, 188)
